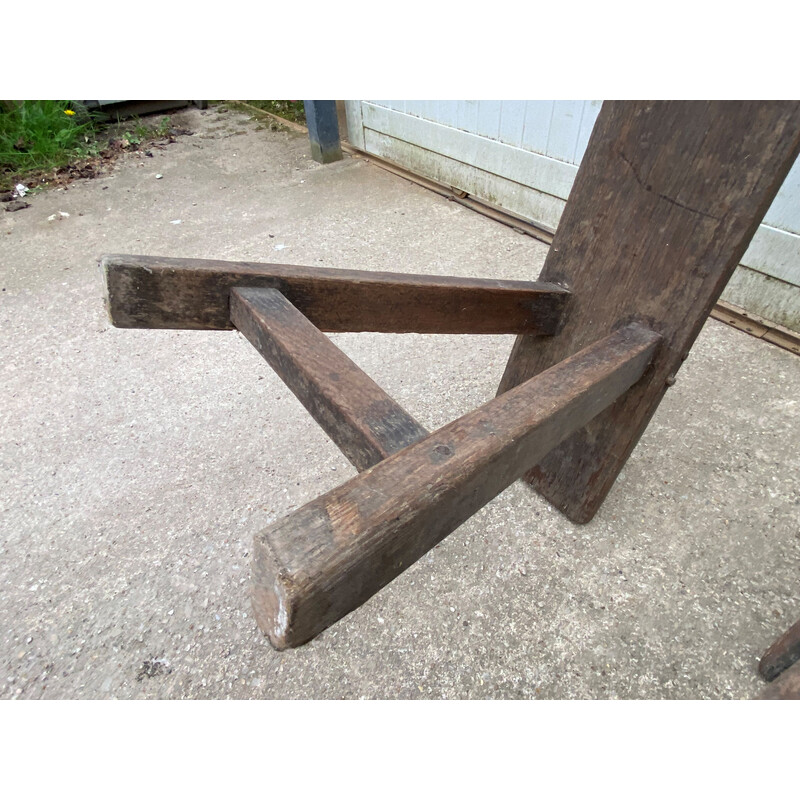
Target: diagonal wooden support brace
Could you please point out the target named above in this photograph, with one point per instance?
(363, 421)
(331, 555)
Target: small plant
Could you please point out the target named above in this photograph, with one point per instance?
(131, 138)
(43, 141)
(141, 132)
(293, 110)
(163, 126)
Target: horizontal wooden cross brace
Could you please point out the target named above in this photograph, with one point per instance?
(328, 557)
(192, 293)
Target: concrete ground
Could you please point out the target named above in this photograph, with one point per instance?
(136, 466)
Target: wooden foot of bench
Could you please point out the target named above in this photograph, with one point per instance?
(363, 421)
(331, 555)
(785, 687)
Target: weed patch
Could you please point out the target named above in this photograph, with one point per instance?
(293, 110)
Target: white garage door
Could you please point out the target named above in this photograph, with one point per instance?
(523, 156)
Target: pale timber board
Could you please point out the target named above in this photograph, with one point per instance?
(775, 253)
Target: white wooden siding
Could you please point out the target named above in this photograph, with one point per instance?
(523, 155)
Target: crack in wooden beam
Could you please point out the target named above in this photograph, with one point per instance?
(328, 557)
(362, 420)
(154, 292)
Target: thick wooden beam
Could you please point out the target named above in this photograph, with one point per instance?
(781, 654)
(363, 421)
(665, 203)
(150, 292)
(323, 130)
(331, 555)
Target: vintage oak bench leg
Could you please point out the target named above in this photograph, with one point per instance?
(363, 421)
(331, 555)
(667, 199)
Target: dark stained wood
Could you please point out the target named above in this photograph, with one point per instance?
(781, 654)
(363, 421)
(331, 555)
(665, 203)
(150, 292)
(785, 687)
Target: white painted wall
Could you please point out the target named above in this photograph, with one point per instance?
(523, 155)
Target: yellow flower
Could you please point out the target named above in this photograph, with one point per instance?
(69, 112)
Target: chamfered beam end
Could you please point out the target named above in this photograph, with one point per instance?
(785, 687)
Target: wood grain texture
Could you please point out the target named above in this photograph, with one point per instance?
(781, 654)
(785, 687)
(151, 292)
(331, 555)
(665, 202)
(363, 421)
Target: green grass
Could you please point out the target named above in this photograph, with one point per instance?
(39, 137)
(41, 134)
(292, 110)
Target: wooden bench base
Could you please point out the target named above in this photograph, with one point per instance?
(666, 200)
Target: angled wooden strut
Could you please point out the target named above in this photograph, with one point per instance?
(665, 202)
(363, 421)
(781, 654)
(785, 687)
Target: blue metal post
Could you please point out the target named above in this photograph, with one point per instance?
(323, 130)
